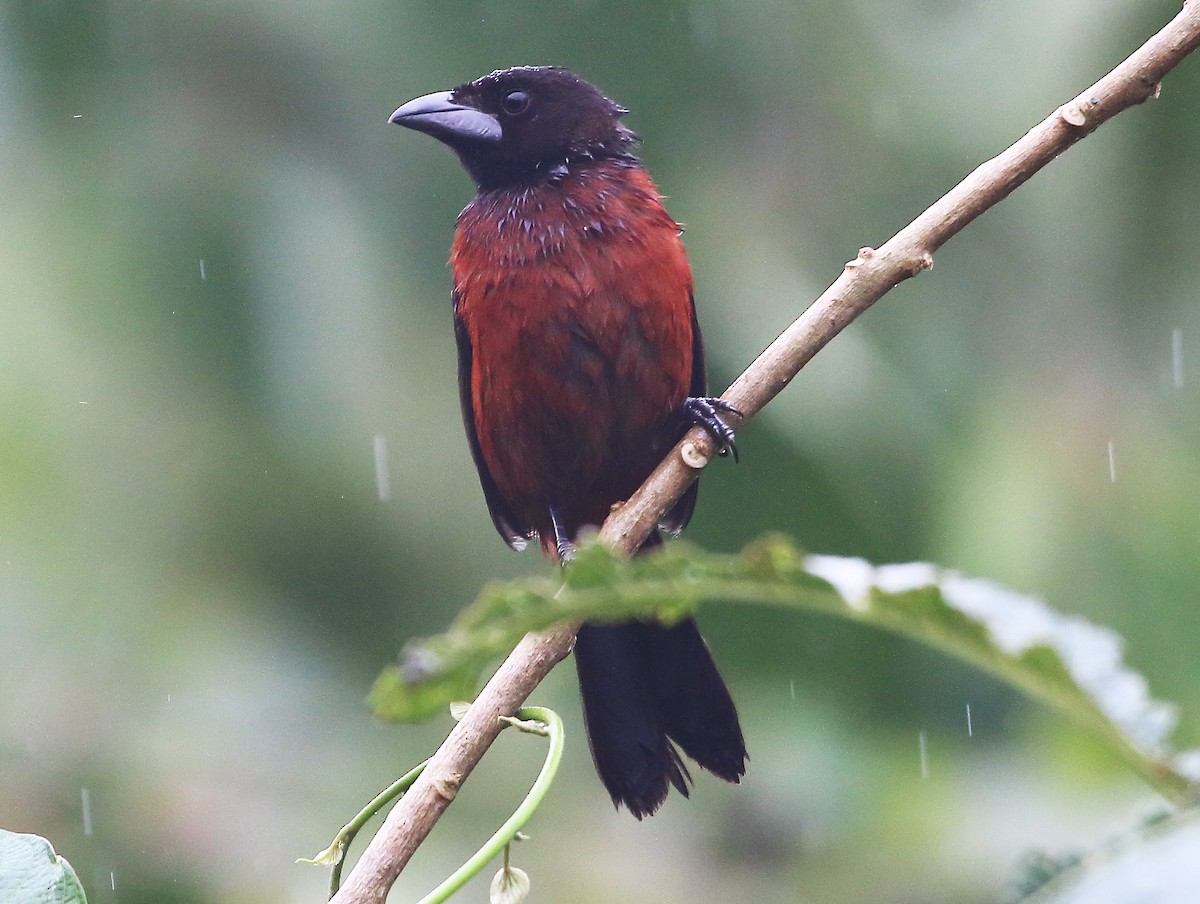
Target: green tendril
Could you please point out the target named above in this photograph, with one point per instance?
(532, 720)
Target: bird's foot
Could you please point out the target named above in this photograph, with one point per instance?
(706, 412)
(562, 543)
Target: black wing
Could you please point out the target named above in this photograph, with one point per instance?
(681, 513)
(502, 514)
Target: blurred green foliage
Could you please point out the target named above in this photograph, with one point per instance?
(223, 279)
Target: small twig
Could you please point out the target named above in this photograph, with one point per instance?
(863, 282)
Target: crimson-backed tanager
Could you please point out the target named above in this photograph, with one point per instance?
(580, 365)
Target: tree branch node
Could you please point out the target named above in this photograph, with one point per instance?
(692, 456)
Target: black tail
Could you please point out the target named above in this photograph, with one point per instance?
(645, 685)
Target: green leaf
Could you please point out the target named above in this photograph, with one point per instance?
(31, 873)
(1155, 863)
(399, 699)
(1065, 661)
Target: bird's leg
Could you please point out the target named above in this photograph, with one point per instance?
(566, 549)
(706, 412)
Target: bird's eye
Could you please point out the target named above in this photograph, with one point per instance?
(515, 103)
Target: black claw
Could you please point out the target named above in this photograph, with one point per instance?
(706, 412)
(566, 549)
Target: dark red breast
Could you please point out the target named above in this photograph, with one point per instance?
(575, 300)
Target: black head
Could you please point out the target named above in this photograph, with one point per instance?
(522, 125)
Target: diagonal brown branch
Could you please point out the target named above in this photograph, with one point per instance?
(863, 282)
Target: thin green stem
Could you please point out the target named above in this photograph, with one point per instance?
(532, 719)
(528, 719)
(335, 855)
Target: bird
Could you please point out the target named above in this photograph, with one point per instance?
(580, 365)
